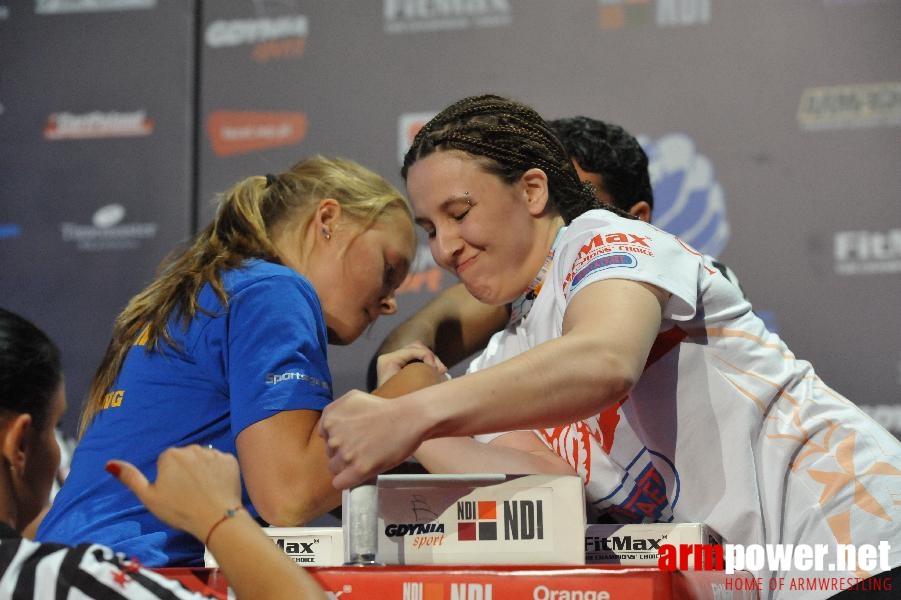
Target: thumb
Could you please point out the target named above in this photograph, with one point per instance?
(130, 476)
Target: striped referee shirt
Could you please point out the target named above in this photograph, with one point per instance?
(30, 570)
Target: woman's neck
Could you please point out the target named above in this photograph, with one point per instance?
(549, 234)
(8, 512)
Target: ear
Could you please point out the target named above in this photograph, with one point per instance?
(17, 441)
(642, 210)
(534, 183)
(327, 215)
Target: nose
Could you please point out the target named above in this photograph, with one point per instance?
(445, 245)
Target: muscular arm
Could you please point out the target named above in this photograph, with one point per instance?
(284, 463)
(517, 452)
(284, 466)
(608, 330)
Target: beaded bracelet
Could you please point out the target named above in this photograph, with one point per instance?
(229, 513)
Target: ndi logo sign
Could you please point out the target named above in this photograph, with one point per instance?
(420, 590)
(619, 14)
(478, 520)
(688, 200)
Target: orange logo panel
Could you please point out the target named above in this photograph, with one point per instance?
(236, 132)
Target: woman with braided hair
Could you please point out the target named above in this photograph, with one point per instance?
(626, 352)
(227, 348)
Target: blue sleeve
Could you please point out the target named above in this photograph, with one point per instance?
(277, 345)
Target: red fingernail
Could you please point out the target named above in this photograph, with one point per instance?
(113, 469)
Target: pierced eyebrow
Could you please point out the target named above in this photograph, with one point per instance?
(460, 199)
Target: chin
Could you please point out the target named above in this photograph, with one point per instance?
(335, 338)
(486, 295)
(482, 293)
(343, 338)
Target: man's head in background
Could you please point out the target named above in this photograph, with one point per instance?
(611, 159)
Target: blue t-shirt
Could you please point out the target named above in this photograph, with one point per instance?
(263, 353)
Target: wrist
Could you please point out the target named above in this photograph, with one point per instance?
(431, 411)
(229, 514)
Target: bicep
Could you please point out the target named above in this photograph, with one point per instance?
(620, 316)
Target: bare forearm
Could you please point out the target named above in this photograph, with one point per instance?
(593, 364)
(607, 333)
(535, 389)
(466, 455)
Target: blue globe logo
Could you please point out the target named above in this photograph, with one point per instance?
(688, 200)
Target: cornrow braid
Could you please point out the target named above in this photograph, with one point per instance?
(511, 138)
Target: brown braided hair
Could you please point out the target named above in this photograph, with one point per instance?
(508, 138)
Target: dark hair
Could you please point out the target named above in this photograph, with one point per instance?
(611, 152)
(510, 138)
(30, 368)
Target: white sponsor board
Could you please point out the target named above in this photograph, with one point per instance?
(480, 519)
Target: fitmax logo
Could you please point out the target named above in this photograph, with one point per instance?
(621, 543)
(301, 552)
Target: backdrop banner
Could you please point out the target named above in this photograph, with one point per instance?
(772, 128)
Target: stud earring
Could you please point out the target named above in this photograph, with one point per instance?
(326, 234)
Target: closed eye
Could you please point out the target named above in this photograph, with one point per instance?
(460, 216)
